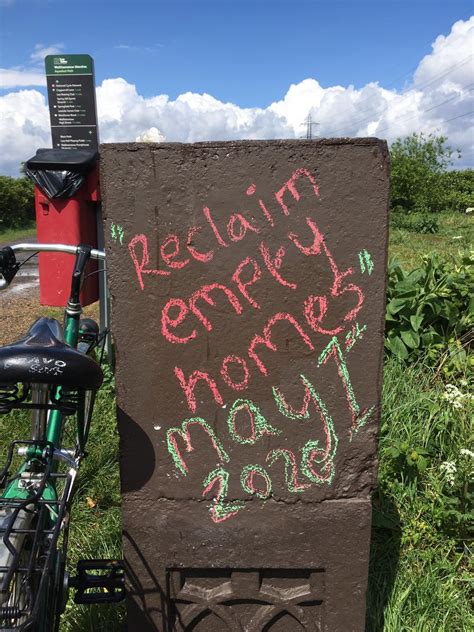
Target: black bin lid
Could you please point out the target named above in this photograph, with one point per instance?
(78, 160)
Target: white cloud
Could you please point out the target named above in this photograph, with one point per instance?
(22, 76)
(124, 114)
(139, 49)
(24, 126)
(437, 101)
(40, 52)
(19, 77)
(152, 135)
(440, 100)
(452, 54)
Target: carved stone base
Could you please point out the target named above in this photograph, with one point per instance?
(307, 573)
(236, 600)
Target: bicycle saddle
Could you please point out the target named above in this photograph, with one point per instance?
(42, 356)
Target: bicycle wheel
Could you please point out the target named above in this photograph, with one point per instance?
(33, 543)
(18, 592)
(32, 572)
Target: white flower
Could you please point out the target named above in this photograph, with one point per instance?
(457, 237)
(449, 469)
(454, 396)
(470, 209)
(466, 452)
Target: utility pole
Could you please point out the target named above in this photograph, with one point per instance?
(309, 126)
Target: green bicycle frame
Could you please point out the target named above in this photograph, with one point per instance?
(55, 419)
(44, 452)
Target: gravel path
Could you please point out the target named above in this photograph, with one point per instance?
(19, 311)
(20, 306)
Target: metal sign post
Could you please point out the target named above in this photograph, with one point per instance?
(73, 114)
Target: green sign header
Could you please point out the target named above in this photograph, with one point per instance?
(68, 65)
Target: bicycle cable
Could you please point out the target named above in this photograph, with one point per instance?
(22, 263)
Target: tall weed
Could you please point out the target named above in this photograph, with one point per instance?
(423, 504)
(430, 310)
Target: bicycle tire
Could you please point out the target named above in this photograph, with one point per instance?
(42, 600)
(21, 588)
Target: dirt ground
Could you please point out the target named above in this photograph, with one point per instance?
(18, 312)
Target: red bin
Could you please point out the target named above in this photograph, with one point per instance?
(66, 199)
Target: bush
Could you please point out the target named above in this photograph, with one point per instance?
(430, 309)
(17, 205)
(418, 164)
(457, 190)
(423, 223)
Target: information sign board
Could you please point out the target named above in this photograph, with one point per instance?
(72, 104)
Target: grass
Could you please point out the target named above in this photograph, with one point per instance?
(419, 577)
(419, 562)
(96, 516)
(96, 519)
(10, 235)
(456, 235)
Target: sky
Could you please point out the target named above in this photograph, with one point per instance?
(193, 70)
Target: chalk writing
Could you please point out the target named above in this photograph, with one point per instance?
(273, 265)
(178, 326)
(184, 434)
(359, 417)
(247, 480)
(365, 262)
(235, 360)
(203, 257)
(242, 286)
(170, 254)
(266, 339)
(321, 317)
(144, 259)
(208, 216)
(291, 468)
(312, 452)
(290, 186)
(221, 509)
(258, 425)
(117, 233)
(238, 226)
(354, 335)
(203, 293)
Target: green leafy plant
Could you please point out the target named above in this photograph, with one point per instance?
(457, 190)
(429, 308)
(453, 509)
(422, 223)
(425, 224)
(415, 458)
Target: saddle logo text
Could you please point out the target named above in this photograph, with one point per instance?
(49, 366)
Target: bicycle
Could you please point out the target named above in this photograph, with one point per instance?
(53, 373)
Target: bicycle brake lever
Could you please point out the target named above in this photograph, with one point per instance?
(8, 265)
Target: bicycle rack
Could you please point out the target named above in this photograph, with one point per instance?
(37, 565)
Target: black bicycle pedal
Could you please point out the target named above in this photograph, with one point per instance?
(99, 581)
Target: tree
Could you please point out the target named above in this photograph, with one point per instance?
(458, 190)
(17, 204)
(418, 163)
